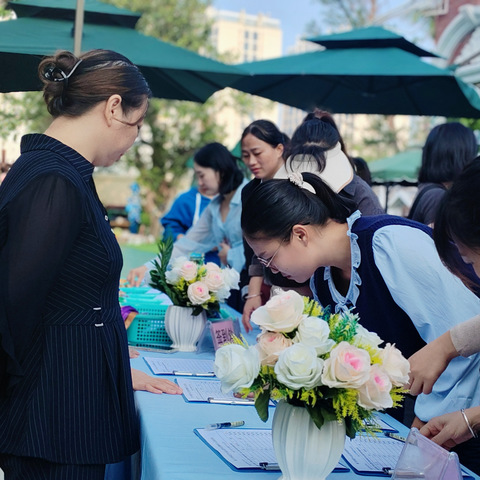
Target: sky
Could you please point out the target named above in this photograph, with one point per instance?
(294, 15)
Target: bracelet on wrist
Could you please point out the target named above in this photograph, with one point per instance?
(474, 435)
(253, 295)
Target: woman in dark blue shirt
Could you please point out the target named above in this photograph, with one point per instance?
(66, 399)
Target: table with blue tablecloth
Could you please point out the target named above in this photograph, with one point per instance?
(170, 450)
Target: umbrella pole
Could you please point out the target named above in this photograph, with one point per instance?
(77, 42)
(387, 192)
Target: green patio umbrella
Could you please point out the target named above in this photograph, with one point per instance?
(402, 167)
(382, 80)
(369, 37)
(172, 72)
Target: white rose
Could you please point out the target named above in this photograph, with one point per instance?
(231, 278)
(270, 344)
(314, 331)
(223, 294)
(198, 293)
(214, 280)
(375, 393)
(298, 366)
(178, 262)
(282, 313)
(236, 366)
(365, 338)
(189, 270)
(395, 365)
(174, 273)
(173, 276)
(347, 367)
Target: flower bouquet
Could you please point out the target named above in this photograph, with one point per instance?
(190, 284)
(327, 363)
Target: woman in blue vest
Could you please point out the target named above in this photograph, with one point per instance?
(384, 267)
(66, 398)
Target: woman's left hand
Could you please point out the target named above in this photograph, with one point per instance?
(133, 353)
(142, 381)
(223, 253)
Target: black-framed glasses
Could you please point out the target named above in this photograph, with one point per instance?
(268, 262)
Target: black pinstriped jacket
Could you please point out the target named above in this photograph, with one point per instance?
(65, 382)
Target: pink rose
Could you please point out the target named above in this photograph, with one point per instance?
(214, 280)
(347, 367)
(212, 267)
(198, 293)
(270, 344)
(375, 393)
(189, 270)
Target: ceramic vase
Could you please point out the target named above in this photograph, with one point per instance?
(183, 328)
(304, 451)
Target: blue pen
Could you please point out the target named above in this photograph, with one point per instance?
(215, 426)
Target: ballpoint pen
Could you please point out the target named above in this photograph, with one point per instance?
(269, 466)
(237, 401)
(215, 426)
(396, 436)
(403, 473)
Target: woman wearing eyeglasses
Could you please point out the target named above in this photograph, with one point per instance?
(66, 398)
(384, 267)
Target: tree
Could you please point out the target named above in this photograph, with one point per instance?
(173, 130)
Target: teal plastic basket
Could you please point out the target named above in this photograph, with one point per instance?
(148, 327)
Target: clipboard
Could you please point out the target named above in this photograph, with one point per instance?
(209, 391)
(190, 367)
(372, 455)
(385, 456)
(245, 449)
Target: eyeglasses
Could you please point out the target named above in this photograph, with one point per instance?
(129, 124)
(268, 262)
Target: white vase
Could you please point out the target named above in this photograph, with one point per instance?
(183, 328)
(304, 451)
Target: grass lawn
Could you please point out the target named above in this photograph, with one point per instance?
(136, 255)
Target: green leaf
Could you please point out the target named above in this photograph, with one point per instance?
(350, 427)
(316, 415)
(261, 404)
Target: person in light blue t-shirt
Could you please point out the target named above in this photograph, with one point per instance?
(218, 173)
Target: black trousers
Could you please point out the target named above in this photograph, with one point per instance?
(28, 468)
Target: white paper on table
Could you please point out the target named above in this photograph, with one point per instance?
(181, 366)
(244, 448)
(368, 454)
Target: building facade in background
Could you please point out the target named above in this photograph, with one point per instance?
(245, 38)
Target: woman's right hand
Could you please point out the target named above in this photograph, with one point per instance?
(450, 429)
(250, 305)
(136, 275)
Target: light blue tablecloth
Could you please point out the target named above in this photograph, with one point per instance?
(171, 451)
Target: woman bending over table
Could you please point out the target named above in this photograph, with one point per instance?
(384, 267)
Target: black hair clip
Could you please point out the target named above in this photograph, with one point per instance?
(51, 73)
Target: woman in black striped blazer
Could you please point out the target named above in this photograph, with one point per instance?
(66, 399)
